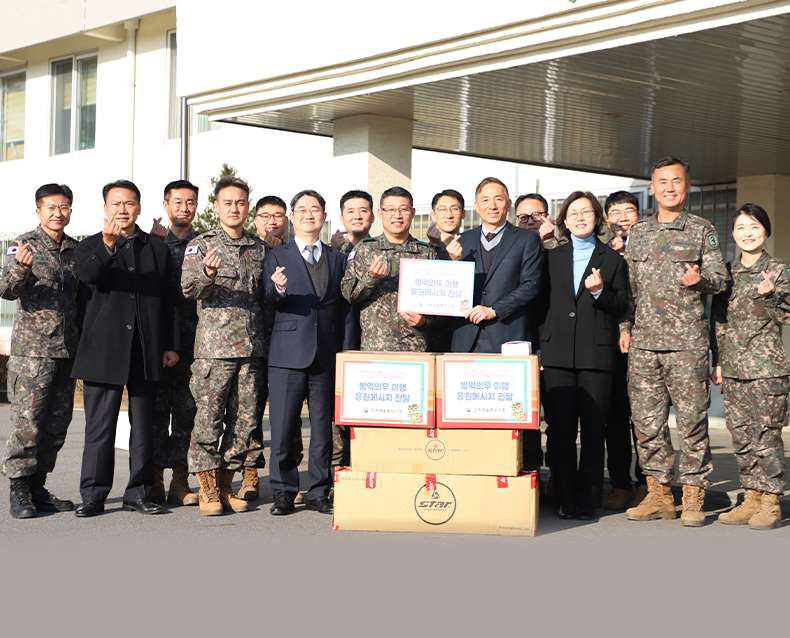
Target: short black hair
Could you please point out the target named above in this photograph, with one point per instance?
(356, 195)
(229, 181)
(621, 197)
(270, 200)
(671, 161)
(121, 183)
(757, 213)
(396, 191)
(308, 193)
(47, 190)
(448, 192)
(536, 197)
(179, 184)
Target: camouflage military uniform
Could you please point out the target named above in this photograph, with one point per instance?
(668, 359)
(229, 350)
(747, 344)
(381, 325)
(173, 395)
(43, 345)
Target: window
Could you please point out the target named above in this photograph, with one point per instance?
(74, 104)
(12, 117)
(174, 103)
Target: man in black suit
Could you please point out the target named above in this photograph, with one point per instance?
(508, 262)
(312, 324)
(130, 333)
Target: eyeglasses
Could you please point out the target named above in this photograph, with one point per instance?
(576, 214)
(443, 210)
(535, 217)
(302, 211)
(616, 212)
(51, 208)
(391, 212)
(191, 204)
(265, 217)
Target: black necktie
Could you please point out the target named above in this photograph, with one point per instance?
(490, 236)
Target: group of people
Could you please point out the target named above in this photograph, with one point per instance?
(202, 329)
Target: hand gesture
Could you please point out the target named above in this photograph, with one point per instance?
(415, 320)
(378, 269)
(272, 241)
(716, 376)
(434, 234)
(480, 313)
(546, 230)
(338, 239)
(158, 231)
(211, 263)
(170, 357)
(279, 279)
(691, 276)
(617, 244)
(455, 250)
(625, 343)
(110, 233)
(594, 283)
(765, 289)
(25, 255)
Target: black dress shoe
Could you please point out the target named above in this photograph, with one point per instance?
(45, 501)
(88, 509)
(322, 505)
(142, 506)
(282, 505)
(567, 513)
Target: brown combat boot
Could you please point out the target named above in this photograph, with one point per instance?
(619, 500)
(158, 492)
(639, 495)
(741, 514)
(208, 495)
(693, 500)
(226, 496)
(769, 516)
(250, 484)
(659, 503)
(179, 493)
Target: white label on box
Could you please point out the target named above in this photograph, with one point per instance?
(436, 287)
(482, 390)
(393, 392)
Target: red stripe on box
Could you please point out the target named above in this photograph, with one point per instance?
(501, 481)
(370, 481)
(534, 480)
(430, 482)
(514, 435)
(351, 434)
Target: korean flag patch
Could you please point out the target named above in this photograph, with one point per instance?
(12, 250)
(191, 250)
(351, 255)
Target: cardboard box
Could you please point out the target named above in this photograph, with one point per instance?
(385, 389)
(409, 451)
(442, 503)
(487, 391)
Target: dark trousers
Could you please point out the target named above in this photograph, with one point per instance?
(288, 389)
(102, 404)
(620, 436)
(579, 402)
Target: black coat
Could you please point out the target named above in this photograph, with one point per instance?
(134, 285)
(579, 331)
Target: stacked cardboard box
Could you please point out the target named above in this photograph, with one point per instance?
(436, 443)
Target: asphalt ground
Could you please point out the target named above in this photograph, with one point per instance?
(122, 573)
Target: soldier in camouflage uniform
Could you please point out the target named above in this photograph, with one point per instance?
(372, 276)
(222, 271)
(171, 438)
(751, 364)
(674, 263)
(41, 272)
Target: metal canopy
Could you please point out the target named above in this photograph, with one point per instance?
(719, 97)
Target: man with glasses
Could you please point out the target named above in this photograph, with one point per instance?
(622, 212)
(174, 413)
(271, 220)
(448, 212)
(41, 272)
(372, 278)
(532, 213)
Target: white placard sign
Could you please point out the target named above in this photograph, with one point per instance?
(436, 287)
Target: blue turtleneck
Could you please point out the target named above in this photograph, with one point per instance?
(582, 252)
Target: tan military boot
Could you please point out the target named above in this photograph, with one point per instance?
(179, 493)
(250, 484)
(158, 493)
(226, 495)
(208, 495)
(659, 503)
(693, 500)
(769, 515)
(741, 514)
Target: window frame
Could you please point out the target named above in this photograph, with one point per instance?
(20, 70)
(75, 59)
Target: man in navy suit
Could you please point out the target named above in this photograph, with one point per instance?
(508, 262)
(312, 324)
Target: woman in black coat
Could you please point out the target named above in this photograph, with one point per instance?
(584, 292)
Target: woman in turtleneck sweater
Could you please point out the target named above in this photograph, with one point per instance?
(585, 290)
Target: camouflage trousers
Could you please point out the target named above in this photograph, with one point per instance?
(341, 445)
(229, 407)
(654, 379)
(173, 397)
(756, 411)
(41, 391)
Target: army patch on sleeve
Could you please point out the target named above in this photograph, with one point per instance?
(191, 250)
(351, 255)
(12, 250)
(712, 240)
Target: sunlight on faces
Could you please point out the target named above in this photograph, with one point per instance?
(308, 217)
(232, 205)
(271, 219)
(530, 214)
(396, 214)
(357, 217)
(670, 187)
(54, 214)
(580, 218)
(621, 217)
(749, 234)
(492, 204)
(448, 215)
(123, 208)
(181, 207)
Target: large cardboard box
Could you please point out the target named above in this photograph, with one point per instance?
(488, 391)
(441, 503)
(409, 451)
(385, 389)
